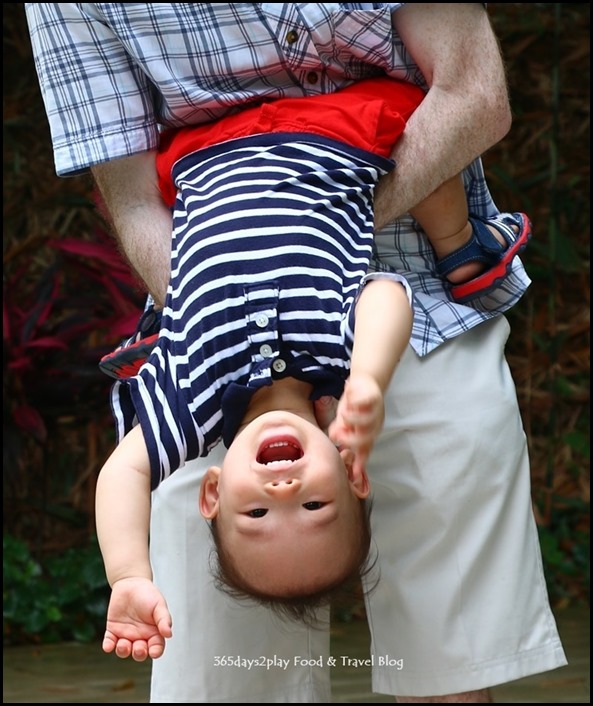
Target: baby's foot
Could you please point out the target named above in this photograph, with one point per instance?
(127, 359)
(485, 260)
(472, 269)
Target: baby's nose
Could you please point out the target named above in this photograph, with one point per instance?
(283, 486)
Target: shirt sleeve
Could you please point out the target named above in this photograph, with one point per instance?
(391, 276)
(97, 100)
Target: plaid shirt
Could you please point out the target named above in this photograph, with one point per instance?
(112, 75)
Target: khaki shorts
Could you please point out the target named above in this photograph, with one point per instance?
(461, 602)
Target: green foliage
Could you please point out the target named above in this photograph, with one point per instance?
(63, 597)
(566, 557)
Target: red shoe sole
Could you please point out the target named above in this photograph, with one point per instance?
(126, 362)
(490, 279)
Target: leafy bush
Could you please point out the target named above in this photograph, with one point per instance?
(63, 598)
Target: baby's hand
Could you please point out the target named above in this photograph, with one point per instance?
(359, 418)
(325, 411)
(138, 620)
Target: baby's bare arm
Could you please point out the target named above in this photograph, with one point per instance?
(382, 332)
(138, 620)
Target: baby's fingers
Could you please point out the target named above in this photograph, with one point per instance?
(156, 646)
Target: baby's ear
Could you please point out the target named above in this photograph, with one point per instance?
(357, 475)
(208, 501)
(359, 482)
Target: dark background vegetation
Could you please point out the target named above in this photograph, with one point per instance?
(68, 298)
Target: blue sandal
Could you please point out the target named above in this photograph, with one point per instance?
(126, 360)
(483, 247)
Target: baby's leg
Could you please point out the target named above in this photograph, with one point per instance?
(473, 253)
(444, 218)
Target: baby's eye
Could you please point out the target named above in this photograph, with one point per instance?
(258, 512)
(313, 505)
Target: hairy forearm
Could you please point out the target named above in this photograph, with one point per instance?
(466, 110)
(123, 510)
(140, 219)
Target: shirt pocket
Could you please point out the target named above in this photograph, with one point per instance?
(357, 43)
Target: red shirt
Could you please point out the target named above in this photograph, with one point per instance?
(370, 114)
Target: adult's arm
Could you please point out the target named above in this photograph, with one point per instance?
(465, 112)
(141, 221)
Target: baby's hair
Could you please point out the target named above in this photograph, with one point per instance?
(303, 606)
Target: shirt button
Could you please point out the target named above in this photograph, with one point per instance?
(312, 77)
(292, 36)
(262, 320)
(279, 365)
(266, 350)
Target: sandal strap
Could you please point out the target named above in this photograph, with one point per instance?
(148, 325)
(482, 246)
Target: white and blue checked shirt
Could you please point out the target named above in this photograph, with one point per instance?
(113, 74)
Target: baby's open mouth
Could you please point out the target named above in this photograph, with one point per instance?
(279, 450)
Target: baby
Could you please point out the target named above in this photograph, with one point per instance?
(269, 312)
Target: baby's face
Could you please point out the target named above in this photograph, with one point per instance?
(286, 501)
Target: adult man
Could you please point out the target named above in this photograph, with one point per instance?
(461, 600)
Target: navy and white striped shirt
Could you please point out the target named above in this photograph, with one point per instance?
(112, 73)
(271, 242)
